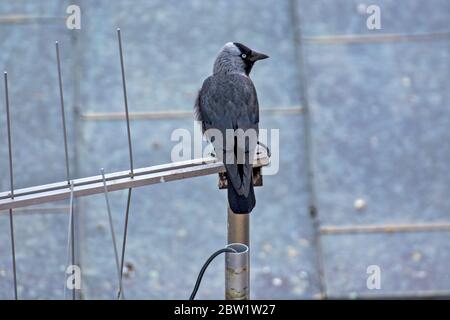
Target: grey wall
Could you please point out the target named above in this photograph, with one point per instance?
(379, 118)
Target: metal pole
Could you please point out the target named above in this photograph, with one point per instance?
(237, 276)
(238, 233)
(238, 228)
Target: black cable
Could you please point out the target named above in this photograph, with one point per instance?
(202, 271)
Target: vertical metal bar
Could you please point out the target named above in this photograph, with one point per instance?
(11, 180)
(63, 116)
(124, 86)
(113, 234)
(238, 232)
(130, 151)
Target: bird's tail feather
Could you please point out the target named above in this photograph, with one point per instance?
(240, 203)
(240, 176)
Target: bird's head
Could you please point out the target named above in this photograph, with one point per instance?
(234, 57)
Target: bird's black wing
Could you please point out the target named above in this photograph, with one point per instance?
(229, 101)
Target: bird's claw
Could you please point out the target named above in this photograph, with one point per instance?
(265, 147)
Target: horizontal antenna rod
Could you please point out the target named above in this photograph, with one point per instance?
(118, 181)
(108, 177)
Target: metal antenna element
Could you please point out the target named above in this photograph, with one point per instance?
(124, 242)
(70, 241)
(72, 235)
(11, 177)
(113, 235)
(124, 86)
(63, 116)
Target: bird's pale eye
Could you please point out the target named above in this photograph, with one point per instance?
(243, 56)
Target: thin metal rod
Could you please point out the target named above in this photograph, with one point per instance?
(113, 234)
(125, 229)
(69, 232)
(125, 99)
(13, 251)
(63, 116)
(130, 150)
(11, 180)
(8, 124)
(70, 239)
(72, 234)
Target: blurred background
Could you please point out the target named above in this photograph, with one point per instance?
(364, 119)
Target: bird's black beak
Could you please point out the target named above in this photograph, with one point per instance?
(257, 56)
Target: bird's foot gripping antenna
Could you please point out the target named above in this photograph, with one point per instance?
(263, 149)
(261, 159)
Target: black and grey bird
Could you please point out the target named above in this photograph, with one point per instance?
(228, 101)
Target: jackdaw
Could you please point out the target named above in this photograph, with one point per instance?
(227, 102)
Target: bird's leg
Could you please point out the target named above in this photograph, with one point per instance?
(213, 152)
(265, 147)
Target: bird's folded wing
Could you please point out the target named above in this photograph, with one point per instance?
(230, 102)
